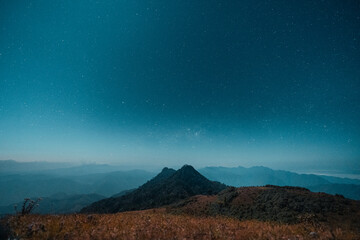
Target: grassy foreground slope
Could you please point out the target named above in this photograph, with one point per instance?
(157, 224)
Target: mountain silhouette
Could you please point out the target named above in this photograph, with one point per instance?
(168, 187)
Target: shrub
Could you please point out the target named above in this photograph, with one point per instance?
(29, 205)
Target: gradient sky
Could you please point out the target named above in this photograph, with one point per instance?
(163, 83)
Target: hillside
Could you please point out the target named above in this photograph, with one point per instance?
(167, 187)
(273, 203)
(157, 224)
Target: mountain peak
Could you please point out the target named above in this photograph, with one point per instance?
(166, 188)
(166, 172)
(188, 173)
(166, 169)
(187, 167)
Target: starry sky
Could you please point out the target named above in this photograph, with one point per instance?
(163, 83)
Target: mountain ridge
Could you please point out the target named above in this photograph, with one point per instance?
(167, 187)
(260, 176)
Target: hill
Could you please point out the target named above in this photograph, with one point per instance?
(274, 203)
(169, 186)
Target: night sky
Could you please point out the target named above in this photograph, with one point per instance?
(164, 83)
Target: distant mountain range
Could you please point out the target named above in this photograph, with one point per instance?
(55, 168)
(40, 179)
(11, 166)
(261, 176)
(14, 187)
(169, 186)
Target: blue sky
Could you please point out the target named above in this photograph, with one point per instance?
(164, 83)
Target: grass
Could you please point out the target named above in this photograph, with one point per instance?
(157, 224)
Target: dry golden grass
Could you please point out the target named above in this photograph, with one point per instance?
(157, 224)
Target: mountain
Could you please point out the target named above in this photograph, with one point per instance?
(55, 168)
(15, 187)
(273, 203)
(169, 186)
(341, 180)
(57, 204)
(260, 176)
(84, 169)
(19, 180)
